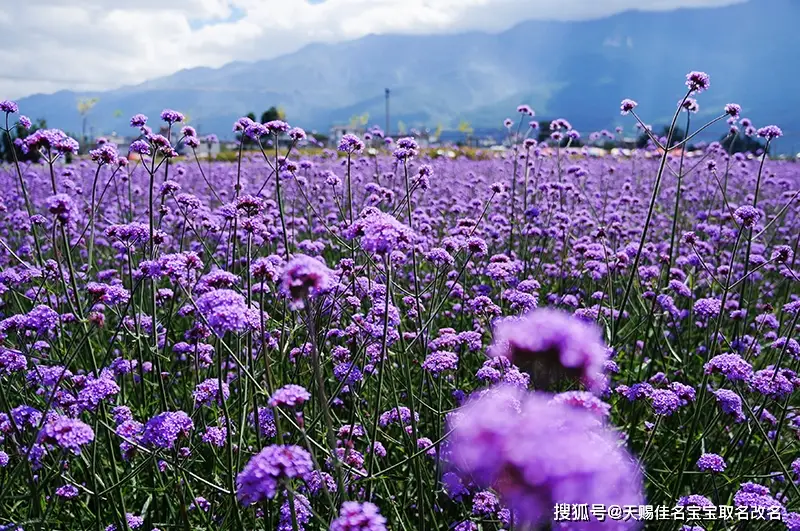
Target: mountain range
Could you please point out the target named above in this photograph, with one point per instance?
(579, 70)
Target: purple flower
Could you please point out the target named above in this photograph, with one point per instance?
(771, 383)
(348, 372)
(627, 106)
(424, 443)
(62, 206)
(694, 500)
(730, 403)
(711, 462)
(747, 216)
(795, 466)
(105, 154)
(782, 254)
(225, 310)
(351, 144)
(208, 392)
(499, 369)
(138, 120)
(8, 107)
(318, 481)
(3, 459)
(261, 477)
(533, 452)
(297, 134)
(584, 400)
(25, 122)
(525, 109)
(256, 130)
(267, 268)
(685, 392)
(755, 495)
(12, 361)
(697, 81)
(171, 117)
(305, 277)
(215, 436)
(545, 342)
(134, 522)
(163, 430)
(67, 492)
(108, 294)
(453, 486)
(266, 422)
(792, 307)
(399, 414)
(277, 126)
(770, 132)
(139, 146)
(381, 233)
(356, 516)
(289, 396)
(52, 141)
(440, 361)
(302, 513)
(406, 148)
(68, 433)
(732, 366)
(664, 402)
(95, 391)
(689, 105)
(733, 110)
(791, 345)
(485, 503)
(707, 308)
(23, 415)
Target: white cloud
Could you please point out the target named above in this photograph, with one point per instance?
(48, 45)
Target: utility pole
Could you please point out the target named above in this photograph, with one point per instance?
(387, 132)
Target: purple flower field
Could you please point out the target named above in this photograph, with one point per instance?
(376, 337)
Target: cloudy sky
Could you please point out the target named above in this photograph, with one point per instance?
(49, 45)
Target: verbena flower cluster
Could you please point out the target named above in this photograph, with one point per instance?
(384, 336)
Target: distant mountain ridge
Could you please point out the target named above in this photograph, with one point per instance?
(579, 70)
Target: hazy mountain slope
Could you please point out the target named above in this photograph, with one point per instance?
(579, 70)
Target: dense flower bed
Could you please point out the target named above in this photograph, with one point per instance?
(370, 338)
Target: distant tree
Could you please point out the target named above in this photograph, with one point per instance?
(359, 120)
(321, 138)
(544, 131)
(678, 136)
(270, 114)
(740, 144)
(85, 106)
(572, 143)
(7, 144)
(466, 129)
(608, 145)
